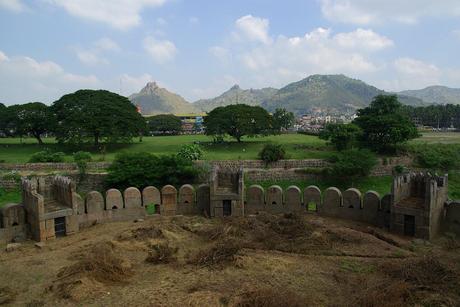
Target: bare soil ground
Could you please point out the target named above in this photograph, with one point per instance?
(263, 260)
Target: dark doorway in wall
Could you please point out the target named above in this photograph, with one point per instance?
(59, 226)
(227, 207)
(409, 225)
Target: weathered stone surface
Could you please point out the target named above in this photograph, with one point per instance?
(351, 200)
(371, 205)
(12, 215)
(385, 211)
(151, 196)
(186, 199)
(274, 199)
(40, 245)
(203, 200)
(312, 198)
(113, 200)
(293, 200)
(332, 201)
(94, 202)
(169, 200)
(255, 200)
(133, 198)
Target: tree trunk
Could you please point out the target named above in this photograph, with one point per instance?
(96, 139)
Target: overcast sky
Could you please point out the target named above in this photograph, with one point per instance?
(200, 48)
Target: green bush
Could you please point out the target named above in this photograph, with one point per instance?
(439, 157)
(81, 158)
(272, 153)
(47, 156)
(144, 169)
(352, 164)
(190, 152)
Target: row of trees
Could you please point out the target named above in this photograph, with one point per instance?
(75, 118)
(380, 127)
(103, 116)
(438, 116)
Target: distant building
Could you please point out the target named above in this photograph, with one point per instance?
(192, 123)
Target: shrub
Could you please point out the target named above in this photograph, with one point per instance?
(352, 164)
(47, 156)
(190, 152)
(144, 169)
(443, 158)
(272, 153)
(81, 158)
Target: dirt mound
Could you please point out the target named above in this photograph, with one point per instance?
(217, 255)
(269, 297)
(161, 253)
(142, 233)
(96, 267)
(7, 295)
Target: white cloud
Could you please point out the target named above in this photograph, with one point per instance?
(253, 29)
(26, 79)
(161, 21)
(363, 39)
(106, 44)
(408, 73)
(161, 51)
(12, 5)
(94, 55)
(121, 14)
(364, 12)
(456, 33)
(221, 53)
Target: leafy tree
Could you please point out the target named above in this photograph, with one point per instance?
(384, 124)
(34, 118)
(81, 158)
(164, 124)
(144, 169)
(352, 164)
(272, 153)
(3, 119)
(98, 115)
(342, 136)
(237, 121)
(282, 119)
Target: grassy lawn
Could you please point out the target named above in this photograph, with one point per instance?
(438, 137)
(298, 146)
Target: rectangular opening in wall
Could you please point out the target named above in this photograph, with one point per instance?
(409, 225)
(227, 207)
(59, 226)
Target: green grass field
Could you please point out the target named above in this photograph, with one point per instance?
(298, 146)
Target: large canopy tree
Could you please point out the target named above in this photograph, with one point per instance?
(98, 115)
(34, 118)
(384, 124)
(237, 121)
(282, 120)
(164, 124)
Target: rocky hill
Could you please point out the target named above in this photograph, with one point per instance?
(436, 94)
(153, 99)
(253, 97)
(328, 93)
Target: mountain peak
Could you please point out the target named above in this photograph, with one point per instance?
(235, 87)
(150, 87)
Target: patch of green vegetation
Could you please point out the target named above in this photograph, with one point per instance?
(454, 185)
(6, 197)
(298, 146)
(382, 185)
(356, 267)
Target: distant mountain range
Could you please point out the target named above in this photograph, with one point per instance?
(436, 94)
(316, 93)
